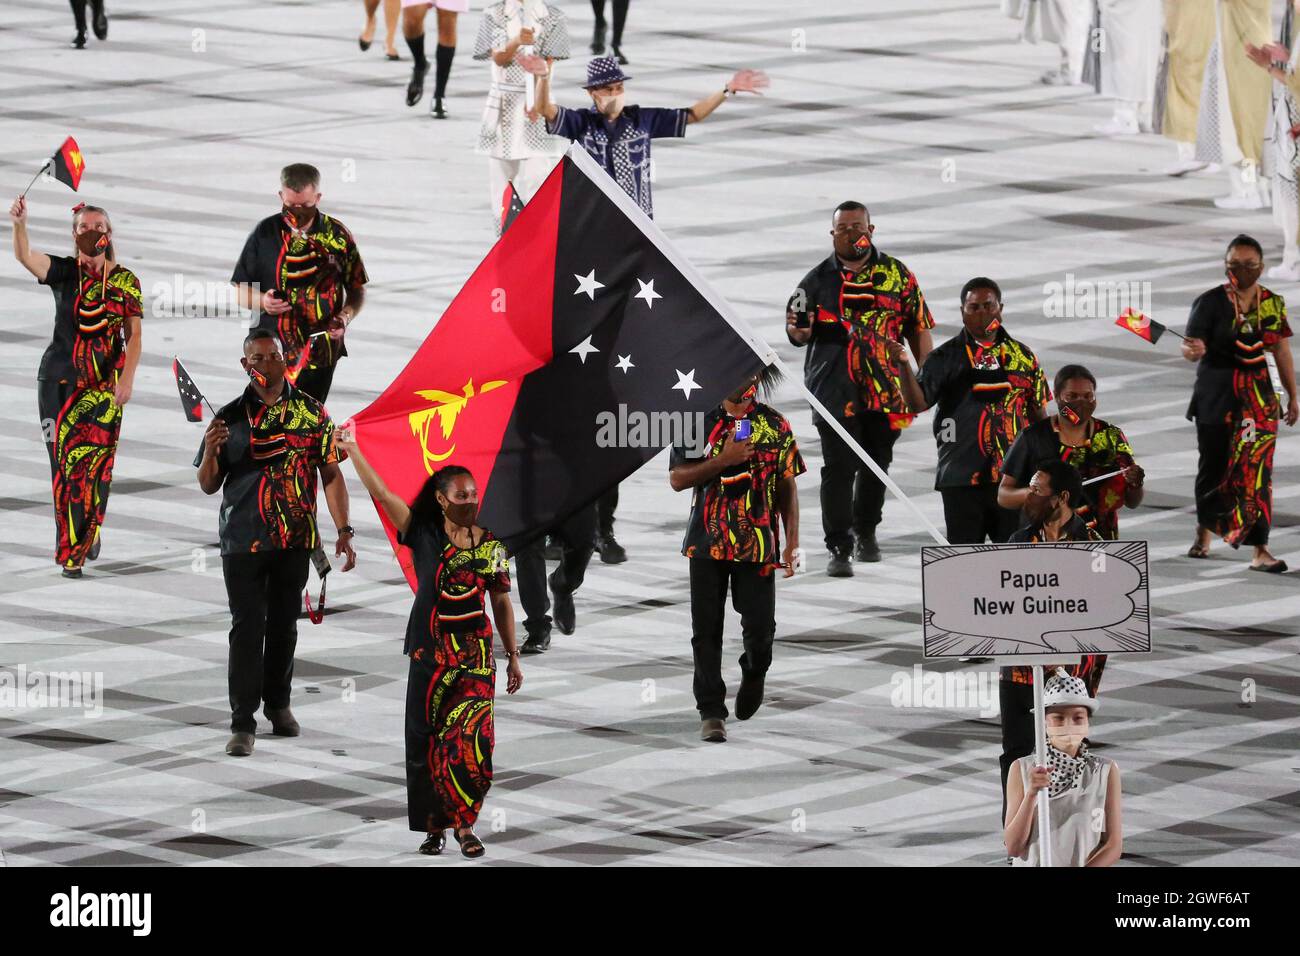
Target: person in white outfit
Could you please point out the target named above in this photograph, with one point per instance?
(1066, 23)
(1129, 44)
(1281, 162)
(512, 136)
(1083, 789)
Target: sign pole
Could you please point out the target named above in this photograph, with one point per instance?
(1040, 756)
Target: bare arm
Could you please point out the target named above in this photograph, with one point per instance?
(787, 503)
(1020, 813)
(921, 343)
(398, 511)
(1112, 837)
(503, 614)
(37, 263)
(543, 103)
(705, 106)
(913, 394)
(209, 469)
(1010, 494)
(1286, 371)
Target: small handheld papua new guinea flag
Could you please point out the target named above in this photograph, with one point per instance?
(191, 398)
(1141, 325)
(69, 164)
(563, 364)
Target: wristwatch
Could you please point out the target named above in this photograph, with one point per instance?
(346, 529)
(728, 91)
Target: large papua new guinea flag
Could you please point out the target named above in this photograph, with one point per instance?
(582, 306)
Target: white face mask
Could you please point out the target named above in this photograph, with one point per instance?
(610, 105)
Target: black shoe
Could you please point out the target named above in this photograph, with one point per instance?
(283, 723)
(365, 45)
(79, 41)
(436, 110)
(840, 566)
(415, 89)
(73, 573)
(618, 55)
(749, 698)
(611, 552)
(433, 843)
(598, 38)
(391, 56)
(866, 549)
(537, 644)
(99, 20)
(471, 847)
(563, 612)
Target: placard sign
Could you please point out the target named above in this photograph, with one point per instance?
(1036, 600)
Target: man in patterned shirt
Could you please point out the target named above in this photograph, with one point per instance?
(302, 270)
(743, 481)
(263, 452)
(846, 311)
(987, 386)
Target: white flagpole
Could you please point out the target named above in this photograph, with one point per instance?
(1040, 755)
(1111, 474)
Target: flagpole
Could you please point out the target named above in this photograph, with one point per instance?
(1092, 481)
(39, 173)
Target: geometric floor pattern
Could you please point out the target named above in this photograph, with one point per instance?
(931, 113)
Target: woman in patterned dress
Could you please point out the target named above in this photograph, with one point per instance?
(452, 682)
(515, 141)
(1229, 333)
(86, 374)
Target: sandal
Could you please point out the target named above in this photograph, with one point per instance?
(1198, 551)
(434, 844)
(471, 847)
(1277, 567)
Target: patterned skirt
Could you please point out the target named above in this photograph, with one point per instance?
(85, 445)
(449, 740)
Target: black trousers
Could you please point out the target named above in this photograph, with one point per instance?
(971, 514)
(265, 593)
(577, 538)
(605, 506)
(1214, 447)
(316, 381)
(851, 495)
(1016, 702)
(753, 595)
(51, 396)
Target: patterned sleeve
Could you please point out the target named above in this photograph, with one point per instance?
(568, 123)
(555, 37)
(1120, 440)
(1277, 327)
(354, 270)
(132, 300)
(791, 462)
(483, 43)
(918, 313)
(328, 450)
(1042, 391)
(498, 570)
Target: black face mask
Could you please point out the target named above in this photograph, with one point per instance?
(1243, 277)
(462, 514)
(92, 243)
(300, 215)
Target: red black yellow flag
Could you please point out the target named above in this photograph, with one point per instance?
(1141, 325)
(579, 322)
(69, 164)
(511, 206)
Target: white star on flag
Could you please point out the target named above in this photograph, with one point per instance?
(588, 284)
(624, 362)
(583, 349)
(686, 381)
(648, 293)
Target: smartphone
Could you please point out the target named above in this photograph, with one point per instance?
(803, 321)
(744, 428)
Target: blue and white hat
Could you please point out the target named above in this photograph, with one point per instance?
(602, 71)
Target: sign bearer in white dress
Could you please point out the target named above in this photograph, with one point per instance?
(518, 148)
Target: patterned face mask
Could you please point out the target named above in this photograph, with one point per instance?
(91, 242)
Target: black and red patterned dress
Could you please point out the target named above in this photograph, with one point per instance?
(452, 682)
(84, 362)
